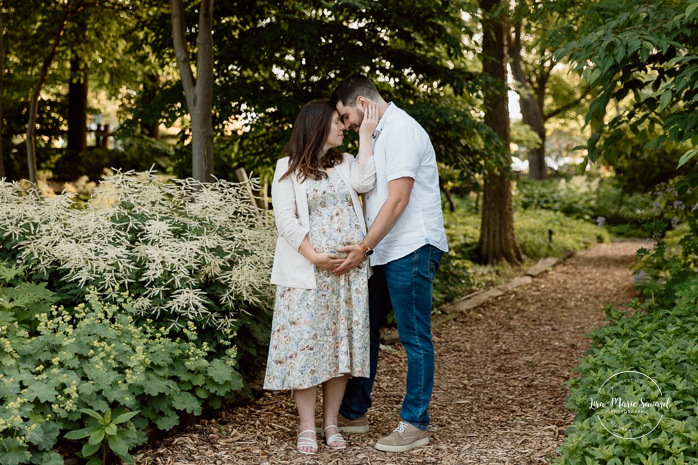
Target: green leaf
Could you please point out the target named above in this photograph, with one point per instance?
(79, 434)
(96, 437)
(187, 402)
(665, 99)
(12, 452)
(111, 429)
(95, 461)
(45, 436)
(686, 157)
(92, 413)
(155, 385)
(690, 9)
(220, 371)
(595, 75)
(89, 449)
(168, 421)
(9, 272)
(118, 445)
(41, 391)
(124, 417)
(48, 458)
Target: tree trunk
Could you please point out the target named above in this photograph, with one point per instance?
(150, 89)
(497, 239)
(531, 109)
(198, 91)
(34, 102)
(77, 107)
(2, 75)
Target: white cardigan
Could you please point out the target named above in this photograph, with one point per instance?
(290, 201)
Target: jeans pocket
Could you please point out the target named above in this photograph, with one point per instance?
(434, 261)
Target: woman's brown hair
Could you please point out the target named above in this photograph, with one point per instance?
(308, 138)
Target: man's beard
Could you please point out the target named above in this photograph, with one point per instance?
(361, 118)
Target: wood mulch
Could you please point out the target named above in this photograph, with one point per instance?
(499, 395)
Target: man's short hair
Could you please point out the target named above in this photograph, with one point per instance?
(351, 87)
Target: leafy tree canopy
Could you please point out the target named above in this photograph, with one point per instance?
(271, 57)
(644, 58)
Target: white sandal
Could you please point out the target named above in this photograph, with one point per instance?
(336, 439)
(306, 442)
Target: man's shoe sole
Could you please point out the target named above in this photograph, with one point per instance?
(405, 448)
(354, 429)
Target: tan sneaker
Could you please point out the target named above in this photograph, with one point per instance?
(345, 425)
(404, 438)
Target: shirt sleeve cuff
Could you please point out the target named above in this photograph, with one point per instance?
(400, 174)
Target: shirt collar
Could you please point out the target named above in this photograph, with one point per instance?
(381, 123)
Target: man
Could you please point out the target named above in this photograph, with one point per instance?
(405, 242)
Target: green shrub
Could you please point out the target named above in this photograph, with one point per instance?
(673, 260)
(92, 360)
(620, 208)
(533, 228)
(589, 198)
(20, 300)
(660, 344)
(180, 278)
(574, 197)
(455, 278)
(137, 153)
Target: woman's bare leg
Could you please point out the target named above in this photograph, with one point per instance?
(332, 393)
(305, 402)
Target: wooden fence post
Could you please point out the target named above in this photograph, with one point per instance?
(258, 202)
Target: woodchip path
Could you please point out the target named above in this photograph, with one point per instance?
(499, 396)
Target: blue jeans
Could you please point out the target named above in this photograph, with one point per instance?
(404, 285)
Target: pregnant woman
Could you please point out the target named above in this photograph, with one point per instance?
(320, 331)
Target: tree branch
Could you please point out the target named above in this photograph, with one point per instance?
(181, 50)
(568, 105)
(204, 42)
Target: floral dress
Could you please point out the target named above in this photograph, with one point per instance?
(323, 333)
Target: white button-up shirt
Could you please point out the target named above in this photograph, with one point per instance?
(402, 149)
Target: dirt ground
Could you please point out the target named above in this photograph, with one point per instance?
(499, 394)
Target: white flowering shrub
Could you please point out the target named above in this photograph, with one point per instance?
(186, 251)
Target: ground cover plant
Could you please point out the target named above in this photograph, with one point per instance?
(661, 344)
(91, 369)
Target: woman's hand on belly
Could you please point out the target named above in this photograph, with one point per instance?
(327, 261)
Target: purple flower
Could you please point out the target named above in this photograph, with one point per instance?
(695, 207)
(678, 205)
(674, 221)
(600, 221)
(657, 205)
(639, 277)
